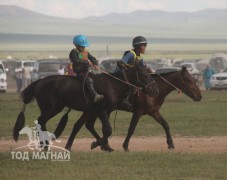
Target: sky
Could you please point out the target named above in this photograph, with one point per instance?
(84, 8)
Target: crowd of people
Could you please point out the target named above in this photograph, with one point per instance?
(23, 77)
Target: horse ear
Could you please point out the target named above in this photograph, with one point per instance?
(184, 68)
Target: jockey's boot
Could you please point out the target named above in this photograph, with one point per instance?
(125, 102)
(96, 97)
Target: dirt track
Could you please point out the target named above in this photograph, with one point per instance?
(216, 144)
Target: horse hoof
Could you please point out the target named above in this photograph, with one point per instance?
(109, 149)
(46, 148)
(171, 147)
(103, 148)
(126, 149)
(67, 148)
(94, 145)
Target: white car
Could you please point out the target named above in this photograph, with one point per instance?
(191, 67)
(219, 80)
(3, 82)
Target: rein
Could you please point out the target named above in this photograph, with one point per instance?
(137, 87)
(179, 90)
(183, 83)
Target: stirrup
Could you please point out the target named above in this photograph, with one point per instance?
(98, 97)
(126, 104)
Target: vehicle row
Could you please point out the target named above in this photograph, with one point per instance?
(3, 78)
(46, 67)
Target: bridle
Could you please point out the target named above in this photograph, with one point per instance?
(140, 83)
(182, 84)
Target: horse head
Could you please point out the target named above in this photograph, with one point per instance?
(143, 79)
(188, 85)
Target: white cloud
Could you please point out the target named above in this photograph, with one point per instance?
(61, 9)
(218, 4)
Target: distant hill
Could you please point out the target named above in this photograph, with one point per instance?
(15, 11)
(209, 23)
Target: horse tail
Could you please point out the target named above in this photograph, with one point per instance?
(62, 123)
(27, 95)
(19, 124)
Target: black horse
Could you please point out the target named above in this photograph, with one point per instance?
(145, 105)
(53, 93)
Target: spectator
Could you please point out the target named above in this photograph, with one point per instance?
(18, 72)
(61, 70)
(208, 72)
(69, 70)
(26, 75)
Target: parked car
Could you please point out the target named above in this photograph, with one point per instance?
(191, 67)
(167, 62)
(178, 63)
(47, 67)
(166, 70)
(219, 80)
(153, 65)
(109, 65)
(3, 78)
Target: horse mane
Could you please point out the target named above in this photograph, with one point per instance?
(163, 74)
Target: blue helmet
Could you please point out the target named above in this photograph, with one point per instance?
(80, 40)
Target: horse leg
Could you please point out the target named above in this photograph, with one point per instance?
(47, 112)
(135, 118)
(157, 116)
(106, 130)
(107, 146)
(90, 126)
(61, 125)
(76, 128)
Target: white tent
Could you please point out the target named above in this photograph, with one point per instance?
(218, 61)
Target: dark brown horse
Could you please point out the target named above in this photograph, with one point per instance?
(53, 93)
(146, 105)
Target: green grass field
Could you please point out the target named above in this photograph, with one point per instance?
(118, 166)
(185, 117)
